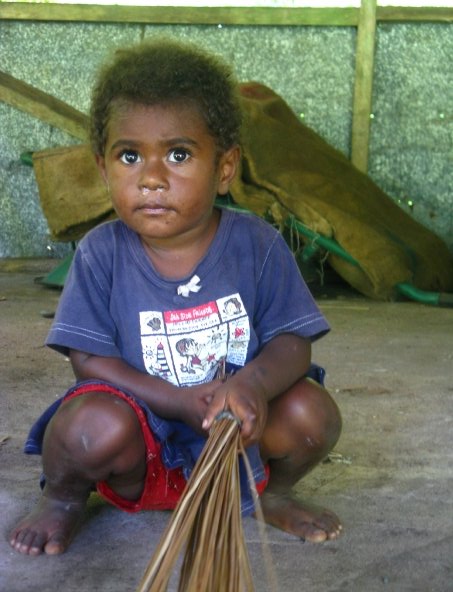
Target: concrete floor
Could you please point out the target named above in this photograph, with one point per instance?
(390, 368)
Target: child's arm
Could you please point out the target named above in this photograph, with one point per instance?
(282, 362)
(188, 404)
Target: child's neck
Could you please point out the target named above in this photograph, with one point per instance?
(176, 261)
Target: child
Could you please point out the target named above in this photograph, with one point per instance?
(159, 300)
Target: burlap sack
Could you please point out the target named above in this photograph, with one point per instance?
(288, 168)
(72, 193)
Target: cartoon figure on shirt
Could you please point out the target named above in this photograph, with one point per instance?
(232, 306)
(191, 350)
(188, 348)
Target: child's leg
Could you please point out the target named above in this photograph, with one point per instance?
(303, 425)
(91, 438)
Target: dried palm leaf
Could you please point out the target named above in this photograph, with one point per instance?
(207, 522)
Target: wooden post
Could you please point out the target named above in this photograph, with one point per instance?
(366, 33)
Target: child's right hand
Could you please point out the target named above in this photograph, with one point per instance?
(246, 400)
(281, 362)
(198, 406)
(193, 403)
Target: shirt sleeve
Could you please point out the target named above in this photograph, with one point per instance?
(286, 304)
(83, 320)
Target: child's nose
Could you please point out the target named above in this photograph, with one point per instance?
(154, 176)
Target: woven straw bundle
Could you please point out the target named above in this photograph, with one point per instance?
(207, 523)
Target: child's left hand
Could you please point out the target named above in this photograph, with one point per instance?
(281, 362)
(246, 401)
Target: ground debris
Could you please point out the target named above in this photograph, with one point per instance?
(338, 458)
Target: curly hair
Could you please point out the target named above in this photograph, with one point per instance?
(166, 71)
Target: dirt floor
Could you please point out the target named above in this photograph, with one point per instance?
(390, 369)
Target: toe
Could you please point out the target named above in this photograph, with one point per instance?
(56, 545)
(330, 523)
(28, 542)
(314, 534)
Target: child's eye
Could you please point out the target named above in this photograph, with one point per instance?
(129, 157)
(178, 155)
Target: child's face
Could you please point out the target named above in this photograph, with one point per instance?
(163, 172)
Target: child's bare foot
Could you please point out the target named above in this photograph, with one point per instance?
(309, 522)
(49, 528)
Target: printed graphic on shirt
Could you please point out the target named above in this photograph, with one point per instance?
(186, 346)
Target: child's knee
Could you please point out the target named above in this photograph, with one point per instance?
(92, 428)
(313, 415)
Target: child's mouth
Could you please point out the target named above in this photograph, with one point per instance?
(154, 209)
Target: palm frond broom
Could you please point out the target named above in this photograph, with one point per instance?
(207, 522)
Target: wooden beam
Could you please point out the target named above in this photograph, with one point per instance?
(211, 15)
(363, 85)
(45, 107)
(179, 15)
(414, 14)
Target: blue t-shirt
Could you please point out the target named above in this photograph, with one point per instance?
(245, 291)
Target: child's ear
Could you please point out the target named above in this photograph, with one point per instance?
(100, 161)
(228, 165)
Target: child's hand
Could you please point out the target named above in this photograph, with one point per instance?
(193, 403)
(281, 362)
(246, 401)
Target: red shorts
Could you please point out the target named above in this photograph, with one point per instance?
(163, 487)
